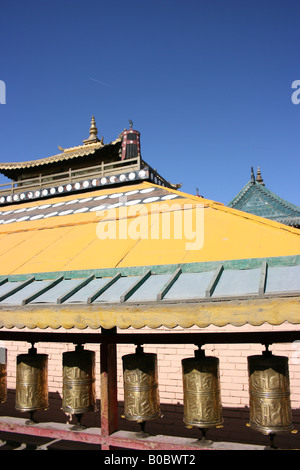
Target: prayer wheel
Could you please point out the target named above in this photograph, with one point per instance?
(3, 375)
(201, 390)
(141, 395)
(79, 392)
(32, 381)
(269, 389)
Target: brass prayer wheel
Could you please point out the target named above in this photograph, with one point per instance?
(32, 381)
(79, 389)
(269, 388)
(3, 375)
(141, 394)
(201, 390)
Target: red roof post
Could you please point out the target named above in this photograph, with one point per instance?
(109, 398)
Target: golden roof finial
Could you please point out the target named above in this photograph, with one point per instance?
(259, 177)
(93, 128)
(93, 132)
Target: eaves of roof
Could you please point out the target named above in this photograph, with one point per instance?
(184, 297)
(66, 154)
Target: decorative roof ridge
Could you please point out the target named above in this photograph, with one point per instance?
(77, 147)
(241, 194)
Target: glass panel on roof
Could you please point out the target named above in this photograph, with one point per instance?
(238, 282)
(26, 292)
(114, 292)
(190, 286)
(51, 295)
(150, 288)
(8, 286)
(85, 292)
(282, 279)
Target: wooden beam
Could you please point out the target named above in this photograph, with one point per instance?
(123, 439)
(110, 337)
(109, 393)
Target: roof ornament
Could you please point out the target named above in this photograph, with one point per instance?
(259, 177)
(197, 191)
(252, 175)
(131, 147)
(93, 133)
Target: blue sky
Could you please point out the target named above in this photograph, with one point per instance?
(208, 83)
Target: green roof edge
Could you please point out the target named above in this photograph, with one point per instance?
(250, 263)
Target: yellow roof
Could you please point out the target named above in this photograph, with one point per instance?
(83, 232)
(134, 232)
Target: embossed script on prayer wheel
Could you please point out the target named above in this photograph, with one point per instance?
(32, 381)
(201, 389)
(270, 407)
(3, 375)
(79, 393)
(141, 395)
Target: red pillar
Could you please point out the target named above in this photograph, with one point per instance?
(109, 397)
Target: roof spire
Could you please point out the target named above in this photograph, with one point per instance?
(93, 133)
(259, 177)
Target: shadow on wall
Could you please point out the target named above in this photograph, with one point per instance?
(171, 423)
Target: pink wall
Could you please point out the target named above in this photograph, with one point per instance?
(233, 375)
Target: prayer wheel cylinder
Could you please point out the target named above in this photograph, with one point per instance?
(3, 375)
(141, 394)
(201, 390)
(32, 381)
(79, 392)
(269, 389)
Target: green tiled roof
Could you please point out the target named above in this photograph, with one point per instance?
(256, 199)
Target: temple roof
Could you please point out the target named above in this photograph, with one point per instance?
(90, 165)
(114, 257)
(73, 152)
(89, 146)
(256, 199)
(127, 249)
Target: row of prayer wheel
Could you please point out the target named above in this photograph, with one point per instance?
(79, 393)
(269, 388)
